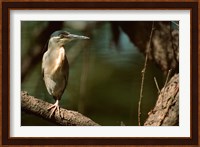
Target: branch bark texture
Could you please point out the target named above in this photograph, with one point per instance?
(166, 110)
(39, 107)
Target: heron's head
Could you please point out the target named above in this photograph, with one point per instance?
(60, 38)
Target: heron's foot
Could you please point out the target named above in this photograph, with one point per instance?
(54, 107)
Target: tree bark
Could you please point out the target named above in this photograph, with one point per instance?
(39, 107)
(164, 43)
(166, 110)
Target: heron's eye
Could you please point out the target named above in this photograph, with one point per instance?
(61, 36)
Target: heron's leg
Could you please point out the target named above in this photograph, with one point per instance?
(55, 106)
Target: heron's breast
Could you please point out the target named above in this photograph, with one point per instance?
(59, 62)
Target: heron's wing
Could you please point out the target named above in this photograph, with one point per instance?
(65, 69)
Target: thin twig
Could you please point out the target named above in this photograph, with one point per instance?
(157, 85)
(167, 78)
(143, 75)
(168, 74)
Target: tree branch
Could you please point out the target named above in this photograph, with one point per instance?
(39, 107)
(166, 110)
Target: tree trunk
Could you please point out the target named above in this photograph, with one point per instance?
(166, 110)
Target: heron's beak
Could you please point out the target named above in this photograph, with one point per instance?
(73, 36)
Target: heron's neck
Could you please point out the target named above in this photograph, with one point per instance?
(53, 46)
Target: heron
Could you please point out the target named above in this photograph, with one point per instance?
(55, 66)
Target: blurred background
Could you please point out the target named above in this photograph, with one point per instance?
(105, 71)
